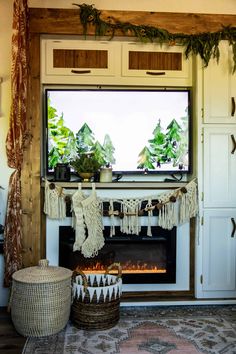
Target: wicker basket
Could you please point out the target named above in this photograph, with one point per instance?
(41, 299)
(96, 302)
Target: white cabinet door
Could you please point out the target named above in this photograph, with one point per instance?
(79, 61)
(219, 247)
(219, 167)
(219, 88)
(155, 64)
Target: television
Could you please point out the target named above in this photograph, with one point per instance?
(135, 130)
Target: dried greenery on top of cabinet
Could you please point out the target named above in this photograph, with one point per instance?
(205, 44)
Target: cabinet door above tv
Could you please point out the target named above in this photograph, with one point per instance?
(78, 61)
(115, 62)
(153, 62)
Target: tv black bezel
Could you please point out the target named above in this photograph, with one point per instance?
(116, 173)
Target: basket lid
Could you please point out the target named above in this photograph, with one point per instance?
(43, 273)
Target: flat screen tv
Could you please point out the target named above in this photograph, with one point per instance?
(136, 131)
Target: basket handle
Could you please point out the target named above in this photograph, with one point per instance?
(79, 271)
(112, 266)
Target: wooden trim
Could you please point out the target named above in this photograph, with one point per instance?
(67, 21)
(30, 177)
(192, 255)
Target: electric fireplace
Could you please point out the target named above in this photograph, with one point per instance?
(144, 259)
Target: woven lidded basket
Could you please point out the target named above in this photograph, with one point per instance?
(96, 299)
(41, 299)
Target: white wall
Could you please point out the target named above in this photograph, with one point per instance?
(200, 6)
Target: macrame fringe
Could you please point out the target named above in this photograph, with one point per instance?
(54, 205)
(168, 216)
(130, 224)
(149, 209)
(112, 218)
(188, 203)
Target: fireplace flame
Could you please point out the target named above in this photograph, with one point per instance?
(127, 268)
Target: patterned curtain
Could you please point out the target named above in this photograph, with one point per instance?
(16, 139)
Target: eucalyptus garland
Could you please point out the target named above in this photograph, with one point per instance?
(205, 44)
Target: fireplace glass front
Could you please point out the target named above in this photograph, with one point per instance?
(143, 259)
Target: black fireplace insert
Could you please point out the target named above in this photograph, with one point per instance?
(143, 259)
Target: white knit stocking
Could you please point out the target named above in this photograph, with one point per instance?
(93, 219)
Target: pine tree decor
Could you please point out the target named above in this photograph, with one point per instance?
(169, 146)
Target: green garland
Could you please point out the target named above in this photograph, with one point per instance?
(205, 44)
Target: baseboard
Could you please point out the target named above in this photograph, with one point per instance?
(181, 302)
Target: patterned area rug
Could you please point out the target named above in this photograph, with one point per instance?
(145, 330)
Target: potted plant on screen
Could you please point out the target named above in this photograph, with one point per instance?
(86, 165)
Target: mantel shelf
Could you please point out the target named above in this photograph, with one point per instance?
(123, 185)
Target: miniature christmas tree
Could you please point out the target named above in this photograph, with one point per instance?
(157, 143)
(181, 158)
(109, 151)
(145, 160)
(172, 139)
(84, 139)
(99, 153)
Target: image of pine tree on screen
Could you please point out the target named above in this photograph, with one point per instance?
(104, 153)
(167, 147)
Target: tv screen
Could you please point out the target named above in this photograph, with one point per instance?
(135, 131)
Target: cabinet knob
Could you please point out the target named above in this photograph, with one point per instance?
(233, 106)
(234, 143)
(234, 227)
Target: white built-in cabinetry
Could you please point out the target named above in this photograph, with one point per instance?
(217, 176)
(103, 62)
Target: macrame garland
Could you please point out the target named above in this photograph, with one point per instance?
(54, 204)
(175, 207)
(79, 226)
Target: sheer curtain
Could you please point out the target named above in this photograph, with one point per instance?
(16, 138)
